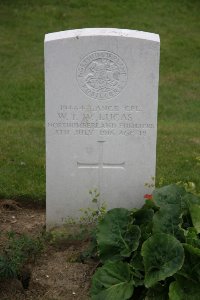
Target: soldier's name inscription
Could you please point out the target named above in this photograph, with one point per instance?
(103, 120)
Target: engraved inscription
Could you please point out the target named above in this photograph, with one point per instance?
(102, 75)
(104, 120)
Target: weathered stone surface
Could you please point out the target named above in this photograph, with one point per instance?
(101, 118)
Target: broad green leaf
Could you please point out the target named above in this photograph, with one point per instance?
(113, 281)
(167, 220)
(116, 236)
(163, 255)
(131, 238)
(169, 195)
(187, 290)
(175, 292)
(195, 215)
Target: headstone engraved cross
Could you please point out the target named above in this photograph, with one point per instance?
(100, 165)
(101, 95)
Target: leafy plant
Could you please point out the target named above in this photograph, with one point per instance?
(17, 253)
(151, 253)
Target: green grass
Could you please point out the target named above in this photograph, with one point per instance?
(22, 160)
(23, 24)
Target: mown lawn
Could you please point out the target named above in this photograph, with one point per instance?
(23, 24)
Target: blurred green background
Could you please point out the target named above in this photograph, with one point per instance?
(23, 25)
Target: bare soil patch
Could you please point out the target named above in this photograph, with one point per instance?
(53, 276)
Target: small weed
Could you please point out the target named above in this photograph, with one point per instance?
(81, 229)
(93, 215)
(18, 252)
(89, 215)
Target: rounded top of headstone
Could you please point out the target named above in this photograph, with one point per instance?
(78, 33)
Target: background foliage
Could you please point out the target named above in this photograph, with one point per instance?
(23, 24)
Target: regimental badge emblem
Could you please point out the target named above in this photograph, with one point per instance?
(102, 75)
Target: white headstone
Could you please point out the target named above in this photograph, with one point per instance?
(101, 118)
